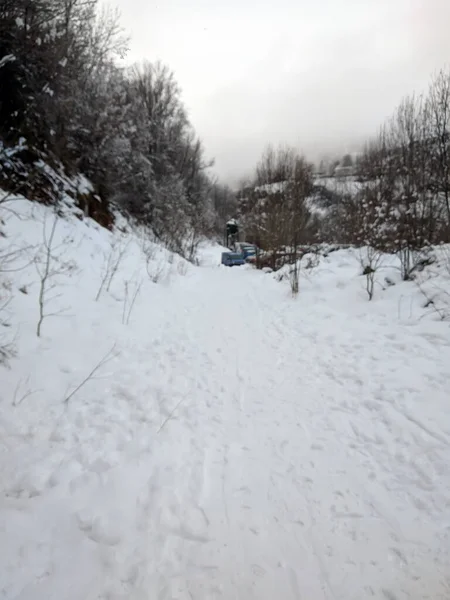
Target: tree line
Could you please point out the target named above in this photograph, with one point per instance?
(398, 199)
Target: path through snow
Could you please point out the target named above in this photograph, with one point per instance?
(247, 446)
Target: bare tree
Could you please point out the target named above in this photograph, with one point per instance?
(48, 267)
(371, 261)
(44, 274)
(372, 206)
(274, 208)
(393, 208)
(111, 265)
(409, 142)
(439, 112)
(298, 190)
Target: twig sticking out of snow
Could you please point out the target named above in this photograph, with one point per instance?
(109, 356)
(18, 400)
(112, 264)
(127, 304)
(170, 415)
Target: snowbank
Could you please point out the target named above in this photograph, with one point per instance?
(341, 273)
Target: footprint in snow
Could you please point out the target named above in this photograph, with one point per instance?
(258, 570)
(98, 530)
(316, 447)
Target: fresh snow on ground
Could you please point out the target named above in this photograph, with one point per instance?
(237, 443)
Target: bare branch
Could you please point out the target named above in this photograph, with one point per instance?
(27, 394)
(370, 260)
(170, 415)
(135, 295)
(110, 355)
(45, 273)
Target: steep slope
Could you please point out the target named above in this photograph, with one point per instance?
(238, 443)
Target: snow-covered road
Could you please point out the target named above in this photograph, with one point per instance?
(297, 466)
(246, 446)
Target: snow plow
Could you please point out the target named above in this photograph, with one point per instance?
(232, 259)
(248, 251)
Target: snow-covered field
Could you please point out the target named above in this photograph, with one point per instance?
(236, 443)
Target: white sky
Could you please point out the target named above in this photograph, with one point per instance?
(320, 74)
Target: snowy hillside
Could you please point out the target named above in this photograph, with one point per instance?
(181, 432)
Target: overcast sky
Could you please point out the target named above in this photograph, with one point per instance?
(320, 74)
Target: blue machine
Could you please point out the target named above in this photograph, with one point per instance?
(232, 259)
(248, 250)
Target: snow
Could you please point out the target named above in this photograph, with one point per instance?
(7, 59)
(209, 255)
(84, 186)
(340, 185)
(237, 442)
(48, 90)
(271, 188)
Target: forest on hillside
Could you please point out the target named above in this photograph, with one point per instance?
(70, 108)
